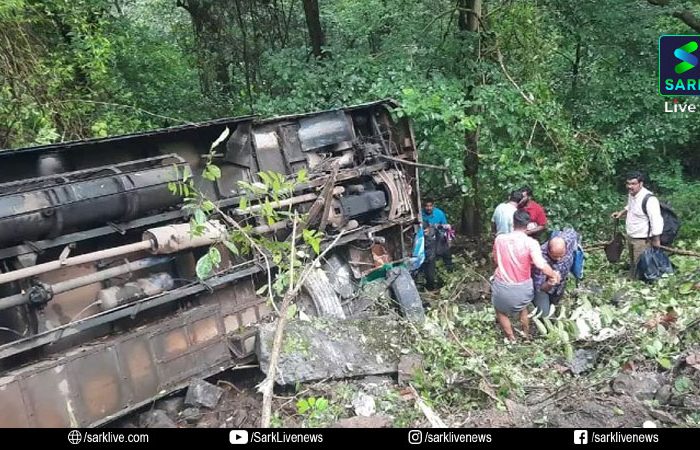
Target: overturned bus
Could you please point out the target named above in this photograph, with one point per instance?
(101, 311)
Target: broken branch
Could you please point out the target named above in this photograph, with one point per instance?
(678, 251)
(433, 418)
(411, 163)
(255, 245)
(267, 385)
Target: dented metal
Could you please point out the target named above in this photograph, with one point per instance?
(130, 264)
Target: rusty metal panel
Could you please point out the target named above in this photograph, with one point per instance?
(227, 184)
(204, 331)
(269, 152)
(289, 134)
(13, 413)
(52, 401)
(138, 368)
(214, 355)
(97, 376)
(238, 148)
(91, 385)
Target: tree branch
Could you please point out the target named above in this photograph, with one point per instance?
(254, 244)
(268, 383)
(136, 108)
(688, 18)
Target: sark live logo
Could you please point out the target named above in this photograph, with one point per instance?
(679, 66)
(677, 107)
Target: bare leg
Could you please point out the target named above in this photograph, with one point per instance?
(525, 323)
(504, 321)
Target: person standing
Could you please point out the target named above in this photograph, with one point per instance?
(512, 289)
(436, 242)
(643, 230)
(502, 219)
(538, 225)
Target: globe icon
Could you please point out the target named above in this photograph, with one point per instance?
(74, 437)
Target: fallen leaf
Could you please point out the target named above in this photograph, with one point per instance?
(693, 360)
(629, 366)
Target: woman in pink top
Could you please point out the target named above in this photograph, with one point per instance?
(512, 289)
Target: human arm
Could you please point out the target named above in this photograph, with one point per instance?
(619, 214)
(656, 221)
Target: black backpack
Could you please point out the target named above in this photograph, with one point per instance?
(672, 223)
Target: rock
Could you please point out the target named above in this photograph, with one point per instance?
(475, 291)
(409, 365)
(191, 415)
(363, 422)
(663, 394)
(664, 416)
(201, 393)
(692, 401)
(156, 418)
(520, 414)
(590, 289)
(331, 348)
(128, 423)
(648, 424)
(363, 404)
(172, 406)
(620, 297)
(640, 385)
(583, 360)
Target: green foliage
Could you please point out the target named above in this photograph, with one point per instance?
(317, 411)
(561, 94)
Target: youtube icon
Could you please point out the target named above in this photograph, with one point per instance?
(238, 437)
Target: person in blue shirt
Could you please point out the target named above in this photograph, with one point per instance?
(436, 241)
(433, 215)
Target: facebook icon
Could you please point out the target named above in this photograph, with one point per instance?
(580, 436)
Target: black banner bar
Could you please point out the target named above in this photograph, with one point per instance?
(413, 439)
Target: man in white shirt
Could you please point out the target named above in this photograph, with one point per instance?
(642, 229)
(502, 219)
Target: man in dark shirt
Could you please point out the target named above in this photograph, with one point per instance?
(538, 226)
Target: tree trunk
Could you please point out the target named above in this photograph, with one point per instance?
(214, 53)
(470, 22)
(313, 23)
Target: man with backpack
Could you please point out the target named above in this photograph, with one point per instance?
(560, 253)
(644, 221)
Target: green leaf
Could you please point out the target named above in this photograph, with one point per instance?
(212, 172)
(321, 404)
(232, 247)
(215, 170)
(243, 203)
(302, 176)
(262, 290)
(303, 406)
(214, 256)
(172, 187)
(203, 267)
(312, 401)
(686, 288)
(664, 362)
(208, 206)
(265, 178)
(199, 217)
(683, 385)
